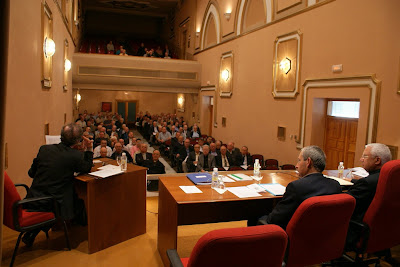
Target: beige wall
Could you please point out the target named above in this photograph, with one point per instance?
(29, 107)
(362, 44)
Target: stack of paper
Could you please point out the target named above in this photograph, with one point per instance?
(107, 171)
(190, 189)
(243, 192)
(339, 180)
(240, 177)
(275, 189)
(359, 171)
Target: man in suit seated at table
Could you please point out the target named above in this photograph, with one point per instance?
(182, 153)
(244, 159)
(224, 159)
(372, 160)
(206, 161)
(193, 158)
(154, 165)
(310, 164)
(143, 155)
(213, 149)
(118, 152)
(103, 154)
(234, 152)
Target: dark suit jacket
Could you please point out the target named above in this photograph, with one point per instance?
(190, 160)
(218, 160)
(297, 191)
(139, 158)
(154, 167)
(191, 134)
(183, 153)
(128, 156)
(363, 191)
(211, 163)
(53, 175)
(235, 153)
(240, 159)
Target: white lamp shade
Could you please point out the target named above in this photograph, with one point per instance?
(67, 65)
(49, 47)
(225, 74)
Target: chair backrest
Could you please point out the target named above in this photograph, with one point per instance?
(246, 246)
(10, 197)
(288, 167)
(271, 162)
(383, 214)
(235, 168)
(317, 231)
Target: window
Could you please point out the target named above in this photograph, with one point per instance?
(345, 109)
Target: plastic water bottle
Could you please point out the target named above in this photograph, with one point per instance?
(214, 178)
(124, 162)
(257, 167)
(340, 169)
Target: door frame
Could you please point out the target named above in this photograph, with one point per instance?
(126, 107)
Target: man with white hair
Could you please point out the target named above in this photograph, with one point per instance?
(373, 158)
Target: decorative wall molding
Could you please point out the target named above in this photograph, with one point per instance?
(211, 11)
(241, 10)
(368, 81)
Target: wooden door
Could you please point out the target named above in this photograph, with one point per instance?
(340, 142)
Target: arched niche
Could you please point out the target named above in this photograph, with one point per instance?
(211, 29)
(249, 14)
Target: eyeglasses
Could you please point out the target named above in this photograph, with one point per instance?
(367, 156)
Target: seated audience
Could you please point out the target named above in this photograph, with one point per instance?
(118, 152)
(90, 124)
(213, 149)
(224, 159)
(136, 149)
(372, 160)
(234, 152)
(89, 133)
(166, 56)
(158, 52)
(218, 145)
(310, 164)
(182, 153)
(97, 141)
(244, 160)
(110, 47)
(154, 165)
(185, 133)
(206, 161)
(193, 158)
(81, 122)
(119, 50)
(103, 143)
(143, 155)
(163, 137)
(103, 153)
(141, 51)
(195, 133)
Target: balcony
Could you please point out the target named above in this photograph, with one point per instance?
(111, 72)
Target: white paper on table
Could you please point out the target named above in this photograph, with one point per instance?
(97, 161)
(240, 177)
(339, 180)
(359, 171)
(226, 179)
(190, 189)
(243, 192)
(110, 167)
(219, 190)
(53, 139)
(256, 188)
(106, 173)
(275, 189)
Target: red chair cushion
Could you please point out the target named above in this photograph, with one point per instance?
(185, 261)
(383, 215)
(32, 218)
(10, 197)
(261, 245)
(317, 231)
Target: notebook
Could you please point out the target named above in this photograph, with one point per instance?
(199, 178)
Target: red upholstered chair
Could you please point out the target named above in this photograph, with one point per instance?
(259, 157)
(246, 246)
(19, 219)
(288, 167)
(271, 164)
(317, 231)
(235, 168)
(381, 221)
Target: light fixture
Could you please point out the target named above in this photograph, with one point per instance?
(227, 15)
(180, 100)
(67, 65)
(285, 65)
(198, 34)
(225, 74)
(78, 97)
(49, 47)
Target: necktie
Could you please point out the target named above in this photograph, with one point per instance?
(225, 162)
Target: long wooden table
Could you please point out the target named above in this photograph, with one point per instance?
(115, 206)
(178, 208)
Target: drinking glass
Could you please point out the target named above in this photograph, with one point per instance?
(257, 179)
(119, 160)
(221, 185)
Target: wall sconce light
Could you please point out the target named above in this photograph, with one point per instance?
(227, 15)
(67, 65)
(225, 74)
(49, 47)
(78, 97)
(197, 34)
(285, 65)
(180, 100)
